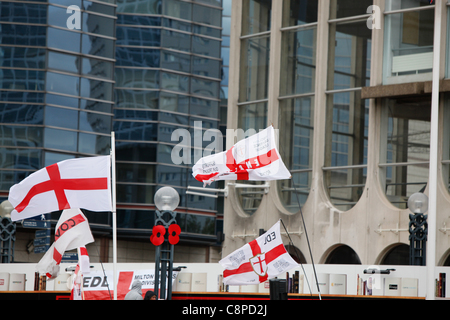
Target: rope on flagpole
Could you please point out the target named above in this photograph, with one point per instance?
(104, 273)
(307, 238)
(304, 226)
(296, 253)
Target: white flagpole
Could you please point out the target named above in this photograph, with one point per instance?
(434, 130)
(114, 222)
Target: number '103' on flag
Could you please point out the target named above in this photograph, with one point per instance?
(83, 183)
(262, 259)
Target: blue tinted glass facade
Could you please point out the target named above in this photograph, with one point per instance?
(56, 85)
(167, 75)
(139, 68)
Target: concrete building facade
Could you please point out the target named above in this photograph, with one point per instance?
(348, 86)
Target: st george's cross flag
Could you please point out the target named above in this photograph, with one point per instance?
(76, 292)
(72, 231)
(82, 268)
(254, 158)
(257, 261)
(83, 260)
(74, 183)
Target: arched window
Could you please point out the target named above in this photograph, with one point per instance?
(446, 141)
(251, 119)
(343, 255)
(405, 148)
(397, 256)
(296, 254)
(446, 260)
(253, 83)
(296, 100)
(347, 113)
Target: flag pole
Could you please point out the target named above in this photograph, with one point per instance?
(304, 226)
(296, 253)
(434, 140)
(307, 238)
(114, 219)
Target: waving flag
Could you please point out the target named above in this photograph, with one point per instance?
(83, 267)
(72, 231)
(83, 260)
(75, 183)
(76, 292)
(262, 259)
(211, 168)
(254, 158)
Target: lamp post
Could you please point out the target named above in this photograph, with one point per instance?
(165, 235)
(418, 229)
(7, 233)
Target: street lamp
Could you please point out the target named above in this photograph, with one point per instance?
(166, 200)
(418, 228)
(5, 209)
(418, 203)
(7, 233)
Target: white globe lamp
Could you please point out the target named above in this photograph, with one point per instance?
(5, 209)
(418, 203)
(167, 199)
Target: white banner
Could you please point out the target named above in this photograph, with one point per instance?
(95, 285)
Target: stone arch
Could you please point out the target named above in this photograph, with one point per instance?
(394, 254)
(340, 254)
(445, 259)
(296, 254)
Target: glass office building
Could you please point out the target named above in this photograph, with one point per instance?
(69, 76)
(347, 84)
(167, 76)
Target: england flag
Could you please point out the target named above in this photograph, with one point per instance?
(76, 183)
(72, 231)
(257, 261)
(255, 158)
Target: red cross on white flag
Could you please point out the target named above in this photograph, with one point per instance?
(262, 259)
(82, 268)
(254, 158)
(75, 183)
